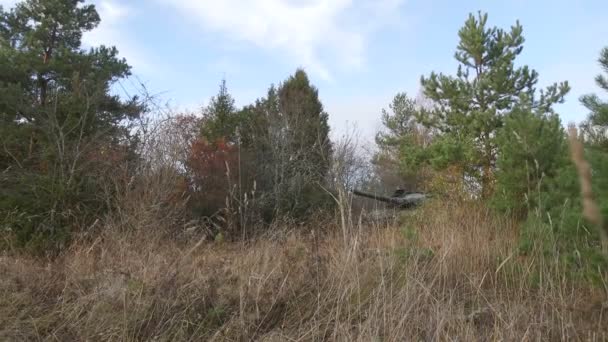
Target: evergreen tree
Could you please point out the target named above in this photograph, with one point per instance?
(596, 126)
(401, 144)
(220, 119)
(57, 115)
(470, 107)
(536, 177)
(286, 138)
(306, 126)
(263, 142)
(533, 150)
(399, 121)
(301, 146)
(283, 145)
(595, 130)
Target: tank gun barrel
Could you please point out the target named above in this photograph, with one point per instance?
(373, 196)
(405, 201)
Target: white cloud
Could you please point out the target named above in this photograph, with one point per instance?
(364, 112)
(317, 34)
(113, 16)
(6, 4)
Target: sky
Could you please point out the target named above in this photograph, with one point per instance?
(358, 53)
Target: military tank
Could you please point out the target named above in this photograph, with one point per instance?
(400, 199)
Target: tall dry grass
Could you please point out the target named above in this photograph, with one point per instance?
(445, 272)
(591, 209)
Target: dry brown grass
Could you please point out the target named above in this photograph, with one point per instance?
(447, 272)
(591, 209)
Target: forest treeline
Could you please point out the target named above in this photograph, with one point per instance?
(72, 148)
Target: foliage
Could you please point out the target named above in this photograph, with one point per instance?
(470, 107)
(595, 133)
(307, 129)
(57, 113)
(598, 107)
(402, 143)
(533, 149)
(214, 172)
(220, 119)
(559, 206)
(399, 121)
(286, 135)
(276, 149)
(596, 128)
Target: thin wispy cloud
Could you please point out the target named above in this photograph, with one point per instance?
(110, 32)
(321, 35)
(111, 14)
(8, 3)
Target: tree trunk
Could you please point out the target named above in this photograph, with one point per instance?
(487, 178)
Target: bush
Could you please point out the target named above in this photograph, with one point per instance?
(556, 226)
(533, 148)
(214, 171)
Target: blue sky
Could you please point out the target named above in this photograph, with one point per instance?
(359, 53)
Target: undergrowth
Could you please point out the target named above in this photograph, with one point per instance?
(449, 271)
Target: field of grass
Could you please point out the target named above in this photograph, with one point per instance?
(444, 272)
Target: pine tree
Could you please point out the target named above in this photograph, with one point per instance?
(533, 150)
(220, 119)
(470, 107)
(399, 121)
(401, 144)
(595, 130)
(596, 126)
(537, 180)
(41, 43)
(59, 121)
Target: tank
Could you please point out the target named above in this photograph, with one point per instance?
(400, 199)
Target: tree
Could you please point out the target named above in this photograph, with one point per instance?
(597, 123)
(470, 107)
(401, 143)
(286, 138)
(399, 121)
(261, 135)
(595, 132)
(213, 172)
(60, 124)
(537, 179)
(306, 124)
(278, 147)
(220, 119)
(533, 150)
(305, 133)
